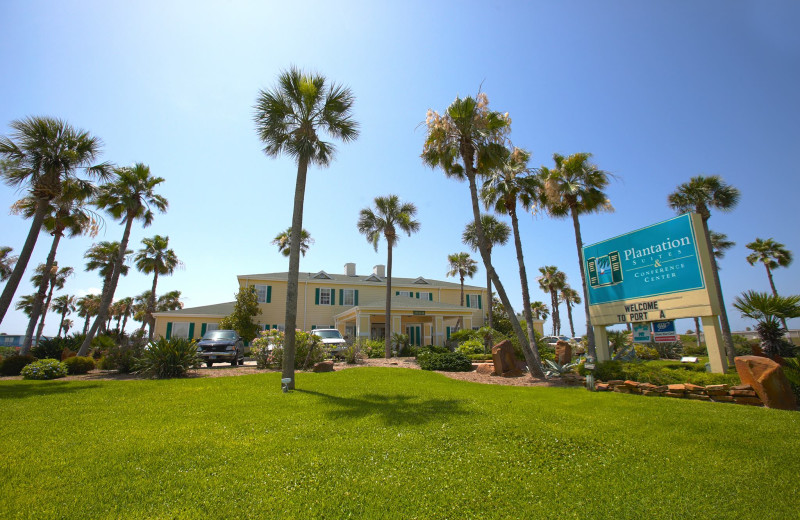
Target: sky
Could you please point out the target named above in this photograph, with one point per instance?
(657, 91)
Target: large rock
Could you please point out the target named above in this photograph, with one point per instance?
(505, 362)
(563, 352)
(768, 380)
(323, 366)
(485, 368)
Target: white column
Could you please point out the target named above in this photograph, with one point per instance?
(601, 344)
(716, 351)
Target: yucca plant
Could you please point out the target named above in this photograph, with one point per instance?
(768, 310)
(554, 369)
(165, 358)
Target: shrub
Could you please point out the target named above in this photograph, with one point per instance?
(668, 350)
(304, 343)
(463, 335)
(122, 358)
(352, 353)
(13, 365)
(79, 365)
(446, 362)
(374, 348)
(658, 373)
(261, 349)
(408, 351)
(166, 358)
(791, 368)
(645, 352)
(51, 348)
(471, 346)
(7, 351)
(44, 369)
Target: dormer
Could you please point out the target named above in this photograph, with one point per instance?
(322, 275)
(372, 278)
(421, 281)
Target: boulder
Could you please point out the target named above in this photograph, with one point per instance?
(768, 380)
(695, 389)
(485, 368)
(601, 387)
(505, 362)
(323, 366)
(563, 352)
(723, 399)
(680, 388)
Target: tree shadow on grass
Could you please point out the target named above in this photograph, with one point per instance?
(21, 391)
(393, 410)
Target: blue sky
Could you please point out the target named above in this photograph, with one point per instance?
(658, 91)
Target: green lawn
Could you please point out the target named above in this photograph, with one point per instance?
(385, 443)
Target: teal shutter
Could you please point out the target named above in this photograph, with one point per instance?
(341, 296)
(479, 302)
(269, 294)
(333, 296)
(169, 329)
(355, 297)
(418, 296)
(316, 296)
(191, 330)
(397, 293)
(266, 327)
(313, 327)
(468, 300)
(203, 328)
(275, 327)
(430, 296)
(448, 332)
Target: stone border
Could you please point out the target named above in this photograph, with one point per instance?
(739, 394)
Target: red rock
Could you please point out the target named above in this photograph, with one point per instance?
(505, 362)
(748, 400)
(676, 388)
(601, 387)
(651, 393)
(623, 389)
(715, 388)
(615, 382)
(694, 388)
(647, 387)
(631, 384)
(674, 394)
(723, 399)
(563, 352)
(698, 397)
(743, 393)
(661, 389)
(323, 366)
(741, 387)
(485, 368)
(768, 380)
(716, 392)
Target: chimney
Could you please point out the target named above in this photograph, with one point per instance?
(350, 269)
(379, 271)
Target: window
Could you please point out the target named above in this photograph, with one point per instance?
(263, 293)
(405, 293)
(348, 297)
(325, 296)
(212, 326)
(474, 301)
(180, 330)
(425, 296)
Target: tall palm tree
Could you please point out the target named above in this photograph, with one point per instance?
(461, 265)
(64, 305)
(496, 232)
(66, 325)
(67, 214)
(103, 257)
(389, 217)
(701, 194)
(25, 303)
(284, 239)
(40, 155)
(289, 119)
(127, 310)
(464, 141)
(770, 253)
(540, 310)
(574, 187)
(156, 258)
(7, 262)
(58, 278)
(552, 281)
(570, 297)
(170, 301)
(87, 308)
(129, 197)
(509, 184)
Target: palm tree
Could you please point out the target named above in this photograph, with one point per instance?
(127, 310)
(57, 281)
(66, 214)
(540, 310)
(496, 232)
(464, 141)
(569, 296)
(461, 265)
(572, 188)
(170, 301)
(6, 263)
(87, 308)
(768, 310)
(289, 119)
(509, 184)
(552, 281)
(699, 195)
(66, 325)
(156, 258)
(388, 217)
(129, 197)
(25, 303)
(284, 238)
(64, 305)
(103, 257)
(770, 253)
(41, 154)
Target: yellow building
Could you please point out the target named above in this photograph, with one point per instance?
(427, 310)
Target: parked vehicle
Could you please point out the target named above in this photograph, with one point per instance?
(331, 339)
(552, 340)
(221, 345)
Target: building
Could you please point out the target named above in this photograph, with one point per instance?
(427, 310)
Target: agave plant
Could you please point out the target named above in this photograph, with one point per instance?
(768, 310)
(554, 369)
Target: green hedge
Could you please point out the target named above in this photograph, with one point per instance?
(660, 373)
(446, 362)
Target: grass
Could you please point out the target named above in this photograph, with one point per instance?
(384, 443)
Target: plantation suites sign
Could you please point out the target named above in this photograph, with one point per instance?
(655, 273)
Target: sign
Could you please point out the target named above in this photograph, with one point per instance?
(641, 333)
(664, 332)
(653, 261)
(419, 313)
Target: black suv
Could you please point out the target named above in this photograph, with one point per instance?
(221, 345)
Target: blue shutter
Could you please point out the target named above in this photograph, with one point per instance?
(316, 296)
(169, 329)
(191, 330)
(269, 294)
(355, 297)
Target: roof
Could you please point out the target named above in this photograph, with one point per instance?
(218, 309)
(419, 283)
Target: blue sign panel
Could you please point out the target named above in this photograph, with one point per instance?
(651, 261)
(664, 332)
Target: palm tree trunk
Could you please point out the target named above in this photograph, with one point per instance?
(774, 292)
(697, 330)
(590, 348)
(108, 292)
(531, 356)
(38, 302)
(44, 311)
(124, 320)
(388, 326)
(61, 323)
(489, 298)
(523, 280)
(289, 348)
(86, 324)
(556, 316)
(151, 306)
(727, 337)
(569, 315)
(24, 258)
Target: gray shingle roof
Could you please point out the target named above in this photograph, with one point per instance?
(362, 279)
(217, 309)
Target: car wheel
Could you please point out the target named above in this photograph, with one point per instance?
(209, 364)
(235, 358)
(241, 361)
